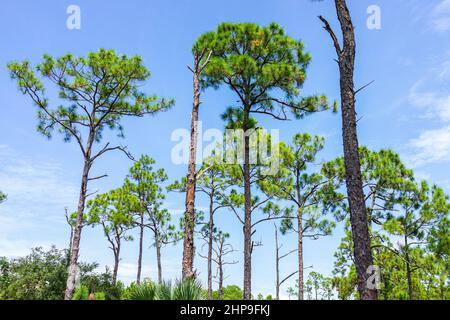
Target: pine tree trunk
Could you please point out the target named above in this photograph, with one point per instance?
(247, 215)
(116, 264)
(210, 245)
(277, 266)
(141, 242)
(408, 267)
(358, 214)
(220, 279)
(158, 259)
(75, 246)
(188, 243)
(300, 254)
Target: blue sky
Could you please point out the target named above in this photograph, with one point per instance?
(407, 109)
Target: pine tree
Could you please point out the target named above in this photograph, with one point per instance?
(265, 69)
(97, 91)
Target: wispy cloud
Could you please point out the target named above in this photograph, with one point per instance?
(430, 96)
(37, 192)
(431, 146)
(440, 16)
(429, 93)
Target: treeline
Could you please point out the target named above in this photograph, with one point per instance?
(397, 241)
(408, 224)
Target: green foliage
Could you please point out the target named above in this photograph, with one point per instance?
(188, 289)
(42, 275)
(98, 90)
(39, 276)
(103, 283)
(311, 193)
(317, 287)
(165, 290)
(81, 293)
(3, 197)
(147, 290)
(145, 196)
(111, 211)
(407, 223)
(231, 292)
(255, 62)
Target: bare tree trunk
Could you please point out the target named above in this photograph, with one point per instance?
(356, 199)
(158, 259)
(408, 267)
(116, 264)
(247, 215)
(189, 221)
(141, 242)
(277, 265)
(300, 255)
(220, 279)
(75, 247)
(210, 244)
(71, 230)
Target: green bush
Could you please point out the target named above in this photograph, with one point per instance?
(182, 290)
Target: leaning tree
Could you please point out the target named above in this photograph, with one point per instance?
(93, 93)
(265, 68)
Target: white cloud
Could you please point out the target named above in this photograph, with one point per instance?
(33, 181)
(127, 271)
(38, 191)
(429, 93)
(440, 16)
(431, 146)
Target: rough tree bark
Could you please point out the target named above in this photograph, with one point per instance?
(158, 259)
(210, 243)
(300, 256)
(71, 230)
(189, 220)
(116, 263)
(358, 214)
(141, 243)
(221, 280)
(75, 247)
(247, 212)
(277, 265)
(299, 238)
(408, 265)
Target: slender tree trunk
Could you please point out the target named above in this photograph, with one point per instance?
(71, 231)
(408, 267)
(158, 259)
(247, 215)
(300, 254)
(75, 247)
(220, 279)
(189, 225)
(356, 199)
(141, 242)
(210, 244)
(116, 263)
(71, 239)
(277, 265)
